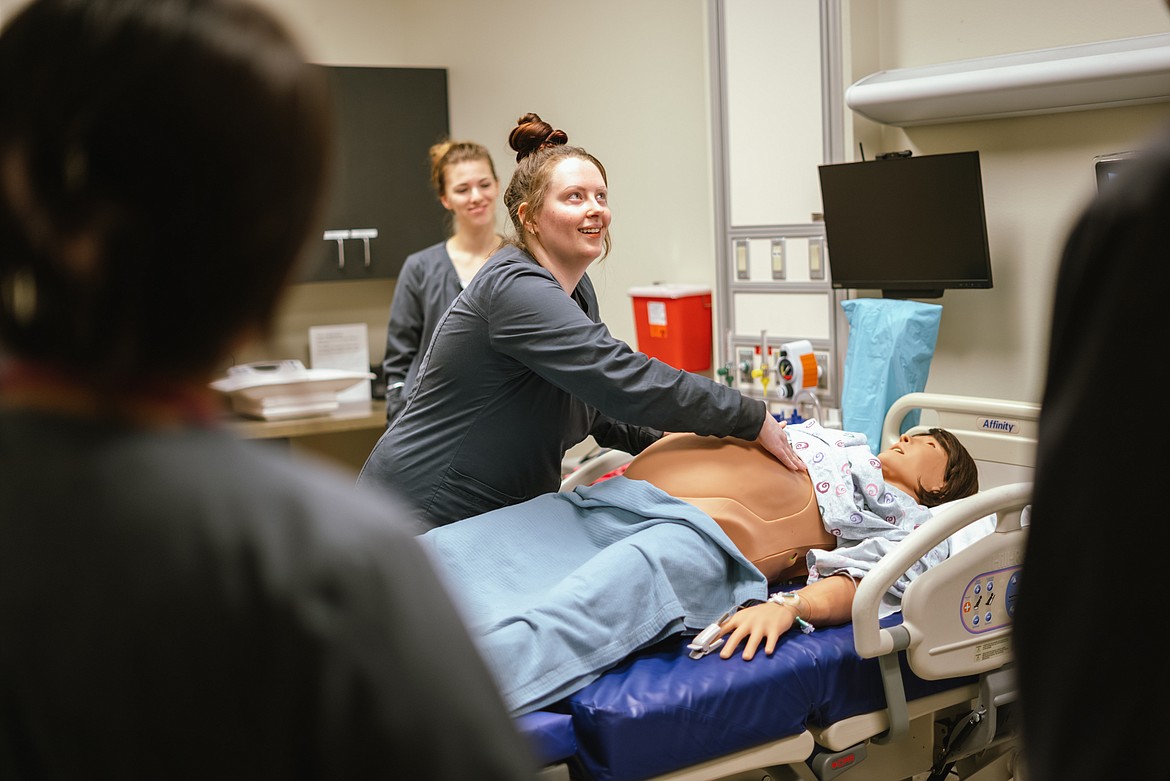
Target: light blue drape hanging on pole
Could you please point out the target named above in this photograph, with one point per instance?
(891, 344)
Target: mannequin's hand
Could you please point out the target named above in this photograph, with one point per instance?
(775, 440)
(764, 623)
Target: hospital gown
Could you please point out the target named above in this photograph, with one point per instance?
(866, 515)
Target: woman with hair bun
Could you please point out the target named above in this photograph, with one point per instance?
(521, 368)
(465, 181)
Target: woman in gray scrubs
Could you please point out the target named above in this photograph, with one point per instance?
(521, 368)
(465, 181)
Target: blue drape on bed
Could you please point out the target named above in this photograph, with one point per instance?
(558, 589)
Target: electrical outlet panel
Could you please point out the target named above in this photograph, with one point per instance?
(823, 363)
(744, 363)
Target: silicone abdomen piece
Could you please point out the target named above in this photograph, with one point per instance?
(767, 510)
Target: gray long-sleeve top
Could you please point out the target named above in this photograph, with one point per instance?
(426, 286)
(202, 571)
(517, 373)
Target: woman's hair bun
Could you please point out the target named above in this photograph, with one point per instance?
(439, 150)
(532, 133)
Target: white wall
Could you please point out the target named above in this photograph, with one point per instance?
(1037, 171)
(630, 82)
(627, 81)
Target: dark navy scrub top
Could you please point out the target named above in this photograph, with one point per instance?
(517, 373)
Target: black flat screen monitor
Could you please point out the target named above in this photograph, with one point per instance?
(1107, 168)
(911, 227)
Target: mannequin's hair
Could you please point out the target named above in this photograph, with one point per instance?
(961, 476)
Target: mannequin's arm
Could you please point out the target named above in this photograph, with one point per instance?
(827, 602)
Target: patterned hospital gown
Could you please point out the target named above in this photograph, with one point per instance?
(867, 515)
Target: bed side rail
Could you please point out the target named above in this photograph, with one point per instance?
(959, 612)
(593, 467)
(948, 627)
(993, 430)
(999, 552)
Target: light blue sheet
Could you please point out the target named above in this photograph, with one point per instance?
(559, 589)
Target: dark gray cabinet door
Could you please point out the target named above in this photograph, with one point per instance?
(380, 206)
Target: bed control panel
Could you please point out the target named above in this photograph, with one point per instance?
(989, 601)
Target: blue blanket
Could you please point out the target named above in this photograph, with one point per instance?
(559, 589)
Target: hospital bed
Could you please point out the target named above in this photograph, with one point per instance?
(919, 694)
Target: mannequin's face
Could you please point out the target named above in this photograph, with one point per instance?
(914, 460)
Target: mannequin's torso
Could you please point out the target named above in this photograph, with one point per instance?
(769, 511)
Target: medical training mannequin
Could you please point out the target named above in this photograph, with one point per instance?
(771, 514)
(176, 603)
(521, 368)
(558, 589)
(465, 182)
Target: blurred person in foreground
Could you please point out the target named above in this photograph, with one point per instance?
(175, 603)
(1092, 681)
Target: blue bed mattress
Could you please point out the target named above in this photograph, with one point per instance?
(660, 710)
(549, 734)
